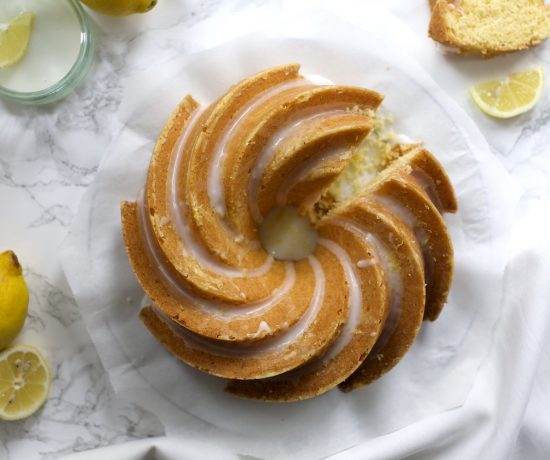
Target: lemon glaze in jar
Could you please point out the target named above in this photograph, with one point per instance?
(59, 52)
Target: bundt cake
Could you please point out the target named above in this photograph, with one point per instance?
(248, 280)
(489, 27)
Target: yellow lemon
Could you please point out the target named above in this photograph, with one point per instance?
(120, 7)
(24, 382)
(14, 39)
(512, 96)
(14, 298)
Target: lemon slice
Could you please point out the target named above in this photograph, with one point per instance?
(24, 382)
(14, 39)
(512, 96)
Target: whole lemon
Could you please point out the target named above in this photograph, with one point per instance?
(14, 298)
(120, 7)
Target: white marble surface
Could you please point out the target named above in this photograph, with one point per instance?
(49, 155)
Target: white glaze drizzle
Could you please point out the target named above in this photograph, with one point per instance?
(222, 310)
(355, 306)
(398, 209)
(364, 263)
(215, 183)
(269, 150)
(305, 168)
(263, 329)
(427, 183)
(394, 278)
(274, 344)
(175, 163)
(355, 300)
(179, 215)
(420, 233)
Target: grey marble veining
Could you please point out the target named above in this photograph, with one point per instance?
(48, 156)
(81, 412)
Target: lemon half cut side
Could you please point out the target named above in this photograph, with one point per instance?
(24, 382)
(14, 39)
(516, 94)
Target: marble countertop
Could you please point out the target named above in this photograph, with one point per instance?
(49, 156)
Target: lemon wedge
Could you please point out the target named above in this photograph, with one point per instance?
(14, 39)
(24, 382)
(514, 95)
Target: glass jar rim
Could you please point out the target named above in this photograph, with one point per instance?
(76, 73)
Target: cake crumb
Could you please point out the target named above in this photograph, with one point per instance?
(379, 149)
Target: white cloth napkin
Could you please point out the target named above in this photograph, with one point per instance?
(427, 402)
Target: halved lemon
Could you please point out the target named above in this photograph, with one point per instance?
(24, 382)
(516, 94)
(14, 39)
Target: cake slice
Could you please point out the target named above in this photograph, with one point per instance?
(489, 27)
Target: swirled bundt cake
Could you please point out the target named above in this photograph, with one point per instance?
(248, 280)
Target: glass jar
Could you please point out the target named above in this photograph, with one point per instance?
(59, 55)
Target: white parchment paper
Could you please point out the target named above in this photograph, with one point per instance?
(437, 373)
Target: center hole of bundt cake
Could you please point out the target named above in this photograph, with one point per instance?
(287, 235)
